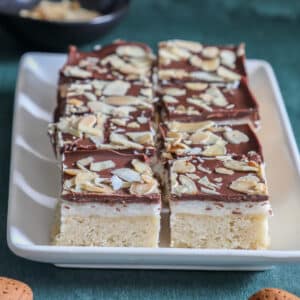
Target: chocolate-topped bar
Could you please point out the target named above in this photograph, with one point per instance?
(208, 139)
(120, 60)
(108, 177)
(117, 98)
(108, 199)
(99, 132)
(199, 101)
(219, 202)
(185, 60)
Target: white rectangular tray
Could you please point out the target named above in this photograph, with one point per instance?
(34, 181)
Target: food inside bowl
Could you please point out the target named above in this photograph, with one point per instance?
(60, 11)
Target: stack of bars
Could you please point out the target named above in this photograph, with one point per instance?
(125, 120)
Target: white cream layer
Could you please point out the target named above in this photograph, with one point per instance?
(217, 208)
(68, 208)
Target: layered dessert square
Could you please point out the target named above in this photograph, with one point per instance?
(107, 200)
(199, 101)
(192, 61)
(208, 139)
(219, 203)
(99, 132)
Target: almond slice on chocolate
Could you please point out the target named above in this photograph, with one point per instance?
(188, 45)
(172, 73)
(170, 99)
(228, 58)
(243, 166)
(116, 88)
(224, 171)
(228, 74)
(141, 167)
(85, 161)
(215, 150)
(102, 165)
(72, 172)
(196, 61)
(199, 103)
(103, 189)
(84, 177)
(196, 86)
(217, 97)
(143, 138)
(174, 91)
(249, 184)
(120, 139)
(130, 50)
(187, 186)
(143, 188)
(189, 127)
(206, 76)
(210, 65)
(75, 71)
(236, 137)
(183, 166)
(210, 52)
(127, 174)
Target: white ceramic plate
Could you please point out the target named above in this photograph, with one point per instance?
(34, 182)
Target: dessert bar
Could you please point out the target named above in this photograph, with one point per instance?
(107, 199)
(219, 203)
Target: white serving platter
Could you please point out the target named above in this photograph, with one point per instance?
(34, 184)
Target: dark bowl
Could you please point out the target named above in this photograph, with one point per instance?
(58, 35)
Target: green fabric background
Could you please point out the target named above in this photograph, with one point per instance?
(271, 31)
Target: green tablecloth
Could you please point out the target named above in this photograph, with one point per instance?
(271, 31)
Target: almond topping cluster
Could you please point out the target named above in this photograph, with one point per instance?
(203, 63)
(137, 179)
(205, 138)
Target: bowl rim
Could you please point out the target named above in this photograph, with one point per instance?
(97, 20)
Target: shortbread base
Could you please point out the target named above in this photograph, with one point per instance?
(228, 231)
(128, 231)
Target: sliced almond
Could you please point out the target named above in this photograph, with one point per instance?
(120, 139)
(84, 177)
(119, 122)
(196, 61)
(224, 171)
(167, 55)
(241, 50)
(249, 184)
(206, 76)
(75, 102)
(141, 167)
(126, 100)
(180, 52)
(172, 73)
(243, 166)
(102, 165)
(143, 188)
(196, 86)
(210, 52)
(116, 88)
(144, 138)
(187, 186)
(130, 50)
(72, 172)
(228, 58)
(127, 174)
(170, 99)
(236, 137)
(147, 92)
(75, 71)
(85, 161)
(174, 91)
(116, 182)
(183, 166)
(189, 127)
(209, 191)
(199, 103)
(215, 150)
(218, 98)
(133, 125)
(199, 137)
(86, 125)
(103, 189)
(188, 45)
(228, 74)
(211, 64)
